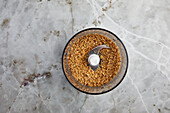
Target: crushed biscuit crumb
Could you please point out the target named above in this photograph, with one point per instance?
(109, 65)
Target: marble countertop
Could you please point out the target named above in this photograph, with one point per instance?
(33, 34)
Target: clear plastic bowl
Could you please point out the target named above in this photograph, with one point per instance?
(106, 87)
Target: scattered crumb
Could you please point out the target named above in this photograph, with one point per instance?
(5, 23)
(45, 39)
(110, 2)
(63, 88)
(50, 31)
(154, 105)
(104, 9)
(57, 33)
(18, 61)
(159, 110)
(25, 83)
(54, 66)
(14, 62)
(35, 108)
(99, 22)
(95, 22)
(69, 2)
(47, 74)
(38, 95)
(9, 107)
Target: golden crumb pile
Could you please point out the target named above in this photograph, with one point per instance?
(109, 60)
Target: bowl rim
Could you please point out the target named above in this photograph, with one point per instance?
(63, 60)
